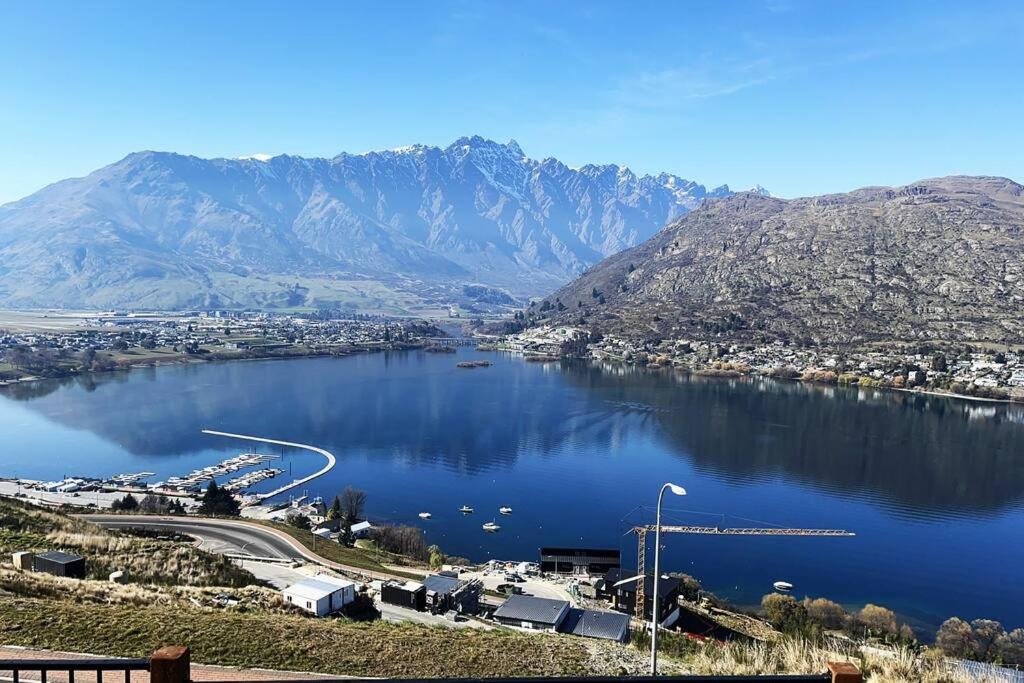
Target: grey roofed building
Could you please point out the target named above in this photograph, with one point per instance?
(440, 584)
(526, 611)
(596, 624)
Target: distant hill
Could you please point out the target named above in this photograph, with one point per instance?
(939, 259)
(389, 230)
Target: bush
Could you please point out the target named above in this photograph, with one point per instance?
(826, 613)
(784, 613)
(879, 620)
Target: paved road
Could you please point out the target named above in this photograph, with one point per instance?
(214, 536)
(228, 536)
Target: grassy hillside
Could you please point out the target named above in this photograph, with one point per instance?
(279, 641)
(145, 560)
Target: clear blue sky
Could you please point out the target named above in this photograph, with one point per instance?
(801, 97)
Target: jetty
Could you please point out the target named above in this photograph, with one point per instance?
(331, 460)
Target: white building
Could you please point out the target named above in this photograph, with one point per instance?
(320, 595)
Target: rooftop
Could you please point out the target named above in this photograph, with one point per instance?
(59, 557)
(312, 589)
(529, 608)
(440, 584)
(596, 624)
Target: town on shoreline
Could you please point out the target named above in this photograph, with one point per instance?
(975, 372)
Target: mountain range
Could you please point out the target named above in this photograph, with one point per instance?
(391, 230)
(939, 259)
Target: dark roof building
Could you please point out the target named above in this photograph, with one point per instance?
(526, 611)
(578, 560)
(440, 584)
(596, 624)
(60, 564)
(624, 597)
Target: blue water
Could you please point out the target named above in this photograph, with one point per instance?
(934, 488)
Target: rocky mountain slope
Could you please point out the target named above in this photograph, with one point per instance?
(941, 259)
(400, 228)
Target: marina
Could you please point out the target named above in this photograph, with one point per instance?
(193, 481)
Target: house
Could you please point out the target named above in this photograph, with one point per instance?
(535, 614)
(321, 595)
(589, 561)
(590, 623)
(623, 597)
(361, 529)
(410, 594)
(60, 564)
(446, 592)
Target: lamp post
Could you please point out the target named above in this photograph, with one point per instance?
(679, 491)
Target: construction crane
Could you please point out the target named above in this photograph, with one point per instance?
(641, 546)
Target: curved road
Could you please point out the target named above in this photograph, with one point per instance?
(232, 537)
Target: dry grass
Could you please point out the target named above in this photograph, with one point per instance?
(16, 582)
(144, 560)
(277, 641)
(796, 656)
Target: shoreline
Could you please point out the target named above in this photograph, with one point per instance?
(699, 372)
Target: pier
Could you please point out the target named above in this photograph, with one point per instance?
(331, 460)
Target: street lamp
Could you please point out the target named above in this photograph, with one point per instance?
(679, 491)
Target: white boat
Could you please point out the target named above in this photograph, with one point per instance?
(425, 515)
(505, 510)
(465, 509)
(491, 526)
(783, 586)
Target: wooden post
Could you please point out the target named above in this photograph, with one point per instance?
(170, 664)
(845, 672)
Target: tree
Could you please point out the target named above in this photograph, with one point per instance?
(955, 638)
(1010, 647)
(298, 520)
(600, 298)
(939, 363)
(335, 510)
(218, 501)
(437, 558)
(148, 343)
(985, 634)
(128, 503)
(345, 535)
(826, 613)
(878, 619)
(784, 612)
(352, 503)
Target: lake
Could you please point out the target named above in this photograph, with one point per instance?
(933, 487)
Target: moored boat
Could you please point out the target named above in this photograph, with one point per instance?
(505, 510)
(491, 527)
(465, 509)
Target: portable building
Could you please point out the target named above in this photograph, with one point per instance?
(410, 594)
(320, 596)
(23, 560)
(60, 564)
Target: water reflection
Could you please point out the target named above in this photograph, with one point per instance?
(921, 454)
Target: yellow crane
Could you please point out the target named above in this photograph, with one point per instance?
(641, 546)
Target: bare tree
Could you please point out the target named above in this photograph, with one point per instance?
(352, 503)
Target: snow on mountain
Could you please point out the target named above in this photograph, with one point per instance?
(160, 229)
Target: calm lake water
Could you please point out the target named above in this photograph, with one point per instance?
(933, 487)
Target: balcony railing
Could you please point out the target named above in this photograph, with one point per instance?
(99, 667)
(172, 665)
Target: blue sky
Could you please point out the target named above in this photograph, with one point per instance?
(801, 97)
